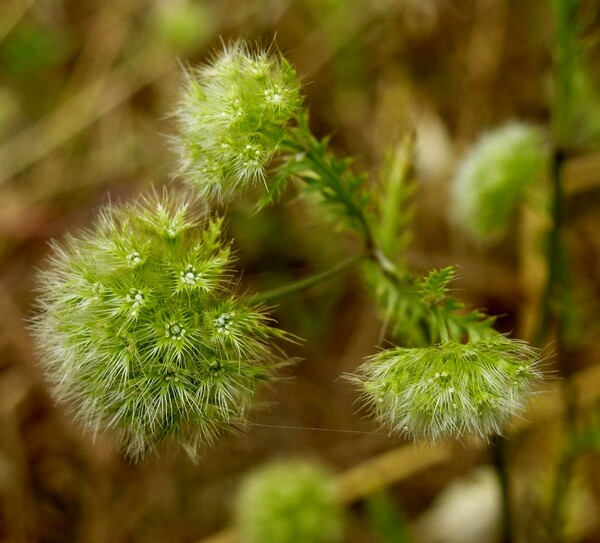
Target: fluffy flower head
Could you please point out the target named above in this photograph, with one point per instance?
(232, 117)
(289, 502)
(451, 389)
(493, 178)
(139, 330)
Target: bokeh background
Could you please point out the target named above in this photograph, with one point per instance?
(86, 92)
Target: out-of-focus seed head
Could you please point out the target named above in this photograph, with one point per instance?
(290, 501)
(494, 177)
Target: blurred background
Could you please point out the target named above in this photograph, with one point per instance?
(86, 93)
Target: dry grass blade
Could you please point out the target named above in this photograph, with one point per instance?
(89, 104)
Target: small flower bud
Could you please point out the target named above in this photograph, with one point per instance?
(451, 389)
(233, 115)
(128, 314)
(289, 502)
(493, 178)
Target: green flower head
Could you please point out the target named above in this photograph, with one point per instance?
(451, 389)
(290, 501)
(494, 177)
(232, 117)
(139, 330)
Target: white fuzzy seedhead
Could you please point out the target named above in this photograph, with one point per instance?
(139, 330)
(449, 390)
(494, 177)
(291, 501)
(232, 117)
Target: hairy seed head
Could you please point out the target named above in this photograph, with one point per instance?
(289, 501)
(232, 117)
(139, 329)
(451, 389)
(494, 177)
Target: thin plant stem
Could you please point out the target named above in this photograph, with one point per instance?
(553, 300)
(375, 252)
(553, 308)
(306, 282)
(499, 457)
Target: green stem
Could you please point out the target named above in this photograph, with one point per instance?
(567, 45)
(304, 283)
(442, 326)
(322, 168)
(498, 445)
(553, 316)
(560, 490)
(551, 300)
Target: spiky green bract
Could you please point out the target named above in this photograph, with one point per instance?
(451, 389)
(493, 178)
(233, 115)
(291, 501)
(139, 329)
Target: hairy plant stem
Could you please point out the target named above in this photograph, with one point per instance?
(443, 328)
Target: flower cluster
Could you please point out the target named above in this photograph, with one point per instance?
(289, 502)
(451, 389)
(140, 330)
(232, 118)
(493, 178)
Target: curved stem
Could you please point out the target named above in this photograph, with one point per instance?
(305, 283)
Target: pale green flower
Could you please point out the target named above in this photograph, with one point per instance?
(232, 117)
(451, 389)
(289, 502)
(494, 177)
(140, 331)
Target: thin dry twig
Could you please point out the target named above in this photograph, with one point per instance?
(11, 16)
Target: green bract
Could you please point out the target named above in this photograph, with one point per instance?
(289, 502)
(233, 115)
(451, 389)
(140, 331)
(493, 178)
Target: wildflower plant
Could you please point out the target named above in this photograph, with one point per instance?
(139, 324)
(141, 331)
(292, 501)
(248, 102)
